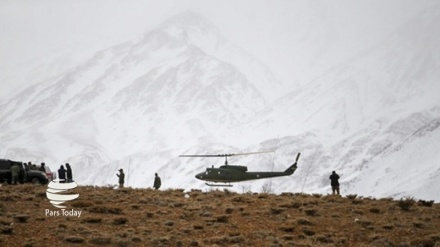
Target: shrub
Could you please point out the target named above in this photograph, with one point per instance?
(418, 224)
(74, 239)
(286, 194)
(81, 204)
(426, 203)
(291, 205)
(21, 218)
(9, 198)
(276, 210)
(162, 241)
(6, 230)
(222, 219)
(5, 222)
(406, 203)
(92, 220)
(388, 227)
(364, 223)
(302, 221)
(286, 228)
(435, 237)
(375, 210)
(422, 242)
(311, 212)
(266, 188)
(309, 232)
(228, 192)
(120, 221)
(323, 239)
(194, 243)
(100, 240)
(2, 209)
(316, 195)
(356, 201)
(198, 227)
(352, 196)
(229, 210)
(169, 223)
(287, 237)
(105, 210)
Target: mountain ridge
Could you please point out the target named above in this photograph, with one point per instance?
(169, 92)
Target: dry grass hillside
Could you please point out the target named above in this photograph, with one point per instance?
(143, 217)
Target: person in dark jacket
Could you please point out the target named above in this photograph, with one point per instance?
(157, 182)
(62, 174)
(334, 178)
(121, 176)
(42, 167)
(69, 173)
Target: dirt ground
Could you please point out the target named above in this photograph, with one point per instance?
(103, 216)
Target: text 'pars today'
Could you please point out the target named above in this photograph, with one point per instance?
(63, 212)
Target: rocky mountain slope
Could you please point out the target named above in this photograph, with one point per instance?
(143, 217)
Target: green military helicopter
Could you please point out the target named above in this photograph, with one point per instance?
(227, 174)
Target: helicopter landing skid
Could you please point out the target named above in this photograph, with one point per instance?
(219, 185)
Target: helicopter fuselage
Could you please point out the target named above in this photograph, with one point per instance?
(232, 173)
(229, 174)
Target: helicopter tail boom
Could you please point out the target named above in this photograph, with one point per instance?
(293, 167)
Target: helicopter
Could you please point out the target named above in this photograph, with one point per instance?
(227, 174)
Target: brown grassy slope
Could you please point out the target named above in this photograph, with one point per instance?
(143, 217)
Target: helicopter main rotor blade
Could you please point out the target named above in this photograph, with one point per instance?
(204, 155)
(261, 152)
(223, 155)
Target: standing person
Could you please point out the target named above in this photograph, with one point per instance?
(62, 174)
(69, 173)
(15, 171)
(42, 168)
(26, 170)
(334, 178)
(121, 176)
(32, 166)
(157, 182)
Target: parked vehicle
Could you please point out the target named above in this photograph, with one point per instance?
(26, 175)
(50, 175)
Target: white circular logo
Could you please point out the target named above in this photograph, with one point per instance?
(55, 193)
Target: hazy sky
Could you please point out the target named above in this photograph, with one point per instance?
(39, 38)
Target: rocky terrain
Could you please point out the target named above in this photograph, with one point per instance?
(105, 216)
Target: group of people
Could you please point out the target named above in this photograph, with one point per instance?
(65, 174)
(16, 170)
(334, 178)
(156, 185)
(29, 166)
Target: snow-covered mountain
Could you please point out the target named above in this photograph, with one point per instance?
(182, 88)
(374, 116)
(162, 86)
